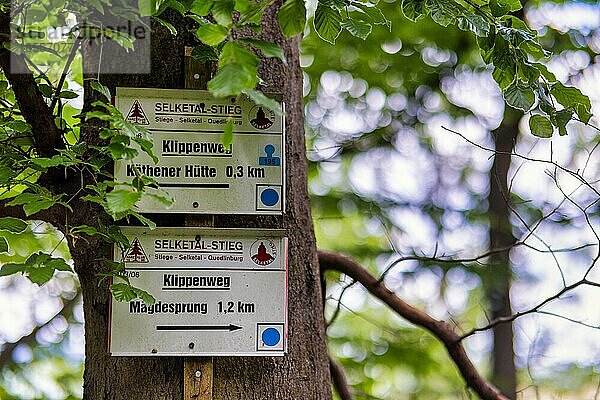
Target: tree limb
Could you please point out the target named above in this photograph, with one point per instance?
(440, 329)
(33, 107)
(339, 379)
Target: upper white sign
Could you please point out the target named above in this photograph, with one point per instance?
(194, 167)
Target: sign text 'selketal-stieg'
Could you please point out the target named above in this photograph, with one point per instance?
(194, 167)
(219, 292)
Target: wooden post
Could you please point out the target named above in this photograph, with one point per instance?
(197, 371)
(197, 378)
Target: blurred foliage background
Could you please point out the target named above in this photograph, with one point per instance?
(388, 181)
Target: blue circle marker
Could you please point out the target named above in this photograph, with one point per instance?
(269, 197)
(271, 336)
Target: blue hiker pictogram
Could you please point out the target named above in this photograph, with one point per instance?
(269, 160)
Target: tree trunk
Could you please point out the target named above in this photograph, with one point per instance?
(499, 276)
(304, 372)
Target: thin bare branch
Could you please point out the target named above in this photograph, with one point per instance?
(569, 319)
(531, 310)
(560, 167)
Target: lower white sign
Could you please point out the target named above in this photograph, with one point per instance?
(219, 292)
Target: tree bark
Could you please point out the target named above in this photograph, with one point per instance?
(499, 276)
(301, 374)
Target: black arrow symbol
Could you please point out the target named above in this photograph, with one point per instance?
(229, 327)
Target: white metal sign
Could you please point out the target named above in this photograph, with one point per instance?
(219, 292)
(194, 167)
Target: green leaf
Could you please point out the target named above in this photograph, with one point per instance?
(146, 146)
(97, 5)
(222, 10)
(46, 90)
(146, 221)
(292, 17)
(121, 200)
(505, 68)
(86, 229)
(25, 198)
(261, 99)
(540, 126)
(166, 201)
(359, 29)
(113, 234)
(231, 80)
(147, 7)
(67, 94)
(237, 71)
(48, 162)
(373, 13)
(268, 49)
(33, 202)
(10, 269)
(123, 292)
(121, 38)
(57, 263)
(212, 34)
(39, 267)
(174, 4)
(203, 53)
(40, 275)
(414, 9)
(572, 98)
(502, 7)
(327, 23)
(474, 23)
(3, 245)
(560, 119)
(201, 7)
(250, 11)
(119, 151)
(445, 12)
(6, 174)
(14, 225)
(227, 137)
(234, 53)
(146, 297)
(528, 73)
(519, 96)
(36, 206)
(242, 6)
(167, 25)
(504, 76)
(549, 76)
(100, 88)
(19, 126)
(337, 5)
